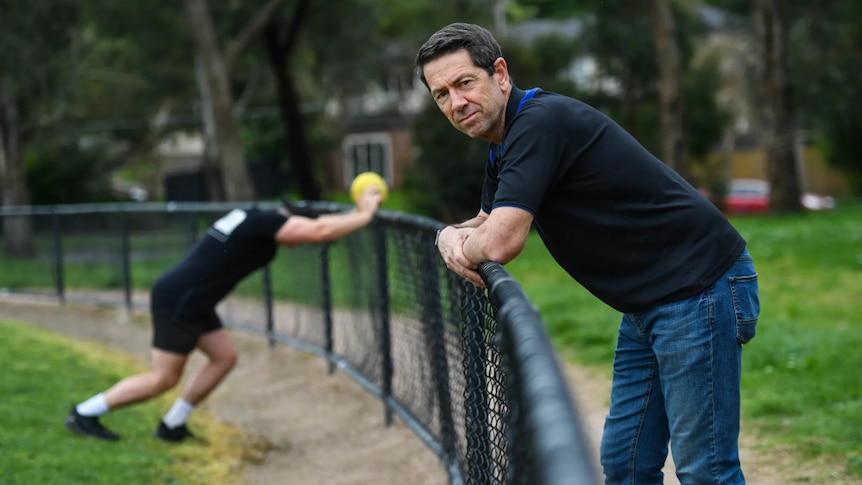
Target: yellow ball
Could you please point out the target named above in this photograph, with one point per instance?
(365, 180)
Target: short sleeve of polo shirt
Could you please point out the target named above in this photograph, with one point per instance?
(252, 223)
(531, 155)
(268, 223)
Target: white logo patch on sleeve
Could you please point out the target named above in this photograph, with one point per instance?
(222, 228)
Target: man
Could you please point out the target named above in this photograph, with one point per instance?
(631, 231)
(183, 302)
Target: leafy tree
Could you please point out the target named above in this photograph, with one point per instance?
(779, 114)
(824, 63)
(37, 40)
(133, 85)
(705, 120)
(213, 65)
(326, 52)
(619, 37)
(542, 63)
(67, 174)
(551, 9)
(671, 96)
(280, 39)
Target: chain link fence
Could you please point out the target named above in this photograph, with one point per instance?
(470, 371)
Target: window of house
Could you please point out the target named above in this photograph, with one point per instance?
(367, 152)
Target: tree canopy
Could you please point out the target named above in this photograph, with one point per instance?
(122, 74)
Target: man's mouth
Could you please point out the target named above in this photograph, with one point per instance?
(467, 117)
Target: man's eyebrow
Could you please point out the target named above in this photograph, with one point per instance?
(455, 81)
(461, 77)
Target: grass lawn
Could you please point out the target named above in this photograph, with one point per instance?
(801, 386)
(44, 374)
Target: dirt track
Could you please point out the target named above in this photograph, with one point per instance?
(325, 429)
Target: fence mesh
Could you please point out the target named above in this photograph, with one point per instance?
(438, 351)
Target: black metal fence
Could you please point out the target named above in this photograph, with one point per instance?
(470, 371)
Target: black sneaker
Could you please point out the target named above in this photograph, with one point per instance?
(173, 434)
(89, 426)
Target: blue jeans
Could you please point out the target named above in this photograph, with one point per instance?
(677, 371)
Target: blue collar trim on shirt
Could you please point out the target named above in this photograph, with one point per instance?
(527, 96)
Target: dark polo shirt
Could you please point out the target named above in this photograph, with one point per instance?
(618, 220)
(237, 244)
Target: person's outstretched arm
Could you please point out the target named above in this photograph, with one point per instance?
(329, 227)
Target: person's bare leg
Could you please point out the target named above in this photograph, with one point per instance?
(167, 368)
(222, 356)
(166, 371)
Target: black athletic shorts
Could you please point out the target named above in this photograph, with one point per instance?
(181, 337)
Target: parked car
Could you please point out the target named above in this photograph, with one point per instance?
(747, 196)
(751, 196)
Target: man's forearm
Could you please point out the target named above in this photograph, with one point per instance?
(473, 251)
(474, 222)
(468, 224)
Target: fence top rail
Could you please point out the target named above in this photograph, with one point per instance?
(136, 207)
(391, 217)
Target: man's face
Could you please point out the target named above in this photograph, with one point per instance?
(473, 101)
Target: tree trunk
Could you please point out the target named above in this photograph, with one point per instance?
(230, 152)
(498, 13)
(17, 230)
(279, 46)
(778, 113)
(210, 163)
(673, 140)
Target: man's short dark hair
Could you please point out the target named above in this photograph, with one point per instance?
(477, 40)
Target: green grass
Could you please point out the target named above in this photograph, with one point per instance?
(801, 385)
(43, 375)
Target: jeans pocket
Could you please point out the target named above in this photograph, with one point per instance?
(746, 305)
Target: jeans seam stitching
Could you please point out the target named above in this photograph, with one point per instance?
(641, 419)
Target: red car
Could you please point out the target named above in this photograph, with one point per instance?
(747, 196)
(751, 196)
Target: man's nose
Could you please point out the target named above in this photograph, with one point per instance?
(458, 100)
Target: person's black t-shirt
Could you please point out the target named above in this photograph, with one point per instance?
(237, 244)
(617, 219)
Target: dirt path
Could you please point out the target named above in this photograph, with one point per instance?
(325, 429)
(322, 429)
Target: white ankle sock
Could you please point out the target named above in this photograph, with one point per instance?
(178, 414)
(95, 406)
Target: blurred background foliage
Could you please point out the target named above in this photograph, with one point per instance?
(119, 79)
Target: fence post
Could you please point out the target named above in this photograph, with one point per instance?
(59, 276)
(126, 260)
(326, 303)
(479, 463)
(193, 227)
(268, 304)
(385, 330)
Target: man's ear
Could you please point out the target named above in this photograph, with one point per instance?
(501, 70)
